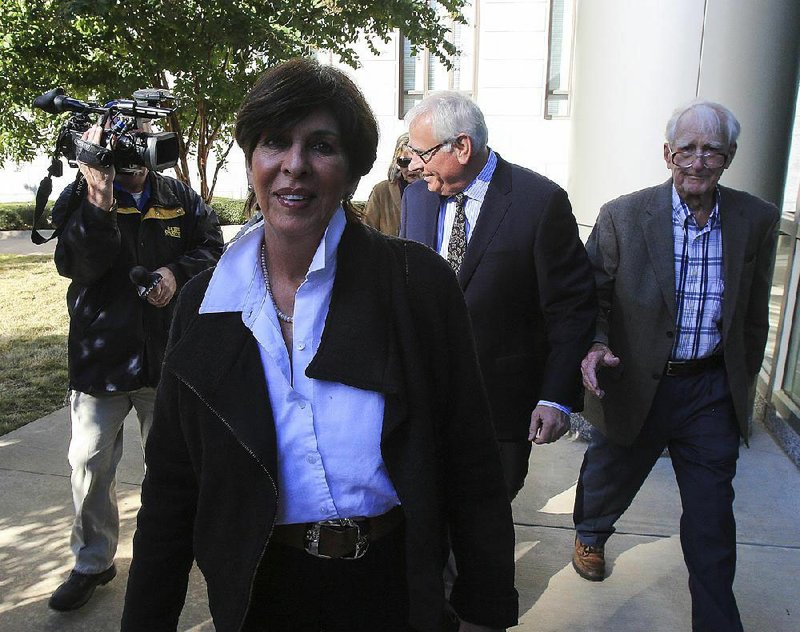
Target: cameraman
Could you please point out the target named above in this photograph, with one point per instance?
(126, 217)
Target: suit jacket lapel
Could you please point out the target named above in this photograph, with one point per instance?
(657, 229)
(423, 216)
(734, 242)
(494, 207)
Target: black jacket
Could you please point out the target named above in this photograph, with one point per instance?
(397, 324)
(116, 339)
(529, 290)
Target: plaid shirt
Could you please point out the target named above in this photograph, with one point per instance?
(699, 282)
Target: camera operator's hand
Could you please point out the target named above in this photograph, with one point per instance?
(99, 180)
(163, 292)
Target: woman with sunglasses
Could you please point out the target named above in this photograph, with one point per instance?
(383, 207)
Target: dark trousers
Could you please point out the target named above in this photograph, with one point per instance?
(514, 457)
(693, 416)
(297, 592)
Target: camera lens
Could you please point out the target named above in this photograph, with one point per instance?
(124, 142)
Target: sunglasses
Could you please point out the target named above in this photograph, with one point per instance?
(403, 162)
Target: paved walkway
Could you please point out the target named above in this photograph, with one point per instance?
(18, 242)
(645, 592)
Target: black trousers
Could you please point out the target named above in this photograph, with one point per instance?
(514, 457)
(297, 592)
(693, 416)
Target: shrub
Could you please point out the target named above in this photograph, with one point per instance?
(229, 210)
(19, 215)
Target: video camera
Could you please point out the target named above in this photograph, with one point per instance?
(124, 145)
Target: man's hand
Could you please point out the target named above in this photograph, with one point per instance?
(464, 626)
(163, 292)
(99, 180)
(598, 356)
(547, 424)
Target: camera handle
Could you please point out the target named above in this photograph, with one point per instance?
(43, 193)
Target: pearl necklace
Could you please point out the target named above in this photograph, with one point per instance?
(281, 316)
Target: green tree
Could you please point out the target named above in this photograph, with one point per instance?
(208, 52)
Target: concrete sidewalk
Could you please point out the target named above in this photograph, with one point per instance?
(18, 242)
(645, 592)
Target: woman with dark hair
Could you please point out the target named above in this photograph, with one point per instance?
(321, 431)
(383, 206)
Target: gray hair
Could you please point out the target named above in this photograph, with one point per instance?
(712, 117)
(452, 113)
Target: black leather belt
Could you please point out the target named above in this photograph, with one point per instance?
(343, 538)
(693, 367)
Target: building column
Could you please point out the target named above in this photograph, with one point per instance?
(637, 60)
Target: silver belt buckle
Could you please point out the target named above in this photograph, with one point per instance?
(339, 524)
(673, 367)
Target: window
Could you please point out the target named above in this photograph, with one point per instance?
(782, 355)
(559, 58)
(424, 73)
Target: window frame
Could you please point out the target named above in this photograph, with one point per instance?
(424, 54)
(563, 92)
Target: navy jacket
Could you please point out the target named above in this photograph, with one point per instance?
(529, 290)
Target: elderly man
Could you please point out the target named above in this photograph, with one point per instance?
(683, 273)
(511, 238)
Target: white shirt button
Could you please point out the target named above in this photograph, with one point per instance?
(301, 345)
(302, 405)
(311, 459)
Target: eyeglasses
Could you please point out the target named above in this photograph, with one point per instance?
(427, 155)
(710, 159)
(403, 162)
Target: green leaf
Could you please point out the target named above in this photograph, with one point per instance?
(208, 52)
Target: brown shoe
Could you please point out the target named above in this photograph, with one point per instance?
(589, 561)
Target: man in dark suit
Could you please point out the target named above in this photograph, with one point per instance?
(683, 273)
(511, 238)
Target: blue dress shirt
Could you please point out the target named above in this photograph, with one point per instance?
(699, 281)
(328, 434)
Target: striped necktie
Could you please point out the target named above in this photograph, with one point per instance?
(458, 236)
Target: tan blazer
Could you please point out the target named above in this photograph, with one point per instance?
(631, 249)
(383, 208)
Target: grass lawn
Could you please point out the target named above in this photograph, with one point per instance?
(33, 339)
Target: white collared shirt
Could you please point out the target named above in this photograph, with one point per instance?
(328, 434)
